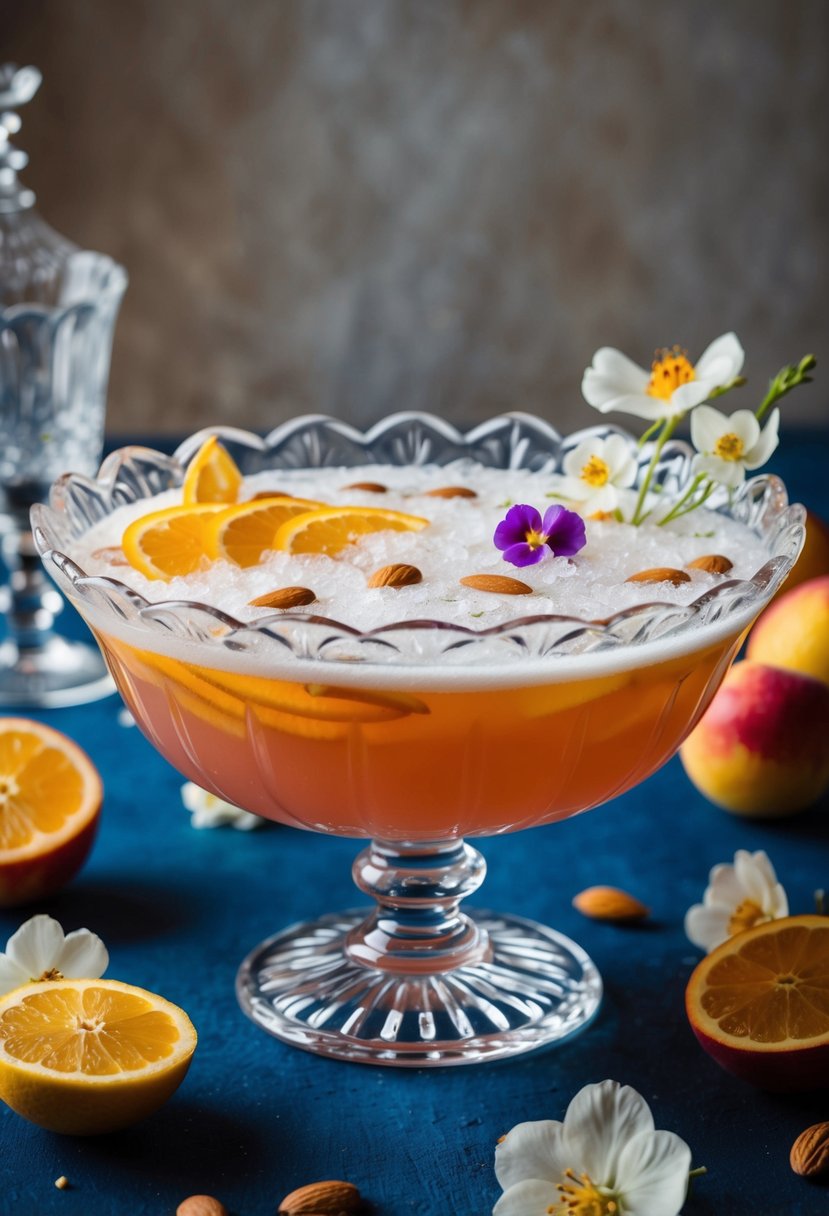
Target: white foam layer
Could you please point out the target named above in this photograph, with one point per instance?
(457, 542)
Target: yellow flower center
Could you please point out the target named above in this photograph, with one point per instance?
(670, 369)
(596, 472)
(729, 447)
(51, 974)
(745, 916)
(581, 1197)
(535, 539)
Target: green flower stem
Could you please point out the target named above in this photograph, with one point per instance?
(698, 502)
(737, 382)
(689, 493)
(652, 429)
(789, 377)
(668, 428)
(698, 1172)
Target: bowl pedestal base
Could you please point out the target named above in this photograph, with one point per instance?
(417, 982)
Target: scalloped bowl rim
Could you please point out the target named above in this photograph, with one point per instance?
(144, 625)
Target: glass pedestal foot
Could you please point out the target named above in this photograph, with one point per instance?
(416, 982)
(55, 674)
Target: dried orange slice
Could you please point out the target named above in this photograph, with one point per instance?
(167, 543)
(89, 1056)
(241, 534)
(331, 529)
(212, 475)
(50, 802)
(759, 1003)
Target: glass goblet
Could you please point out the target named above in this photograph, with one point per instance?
(408, 735)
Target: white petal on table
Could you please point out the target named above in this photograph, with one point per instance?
(36, 945)
(532, 1150)
(653, 1174)
(599, 1122)
(533, 1197)
(84, 956)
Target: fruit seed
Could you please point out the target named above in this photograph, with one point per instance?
(609, 903)
(201, 1205)
(284, 597)
(396, 575)
(660, 574)
(451, 492)
(498, 584)
(712, 563)
(370, 487)
(322, 1199)
(810, 1152)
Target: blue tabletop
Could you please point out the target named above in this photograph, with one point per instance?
(179, 908)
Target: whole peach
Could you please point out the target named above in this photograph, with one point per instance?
(794, 632)
(762, 746)
(814, 558)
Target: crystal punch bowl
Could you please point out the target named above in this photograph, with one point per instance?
(407, 735)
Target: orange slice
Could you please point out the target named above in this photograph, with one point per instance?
(212, 475)
(331, 529)
(241, 534)
(50, 801)
(759, 1003)
(167, 543)
(89, 1056)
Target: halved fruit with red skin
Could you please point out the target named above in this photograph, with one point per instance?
(759, 1004)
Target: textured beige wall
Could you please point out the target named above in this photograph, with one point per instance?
(357, 206)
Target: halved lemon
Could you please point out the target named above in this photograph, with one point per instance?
(50, 802)
(212, 475)
(90, 1056)
(759, 1003)
(167, 543)
(241, 534)
(331, 529)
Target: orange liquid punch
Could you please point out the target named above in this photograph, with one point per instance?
(415, 766)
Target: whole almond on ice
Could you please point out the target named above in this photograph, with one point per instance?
(499, 584)
(661, 574)
(609, 903)
(711, 563)
(322, 1199)
(396, 575)
(452, 492)
(284, 597)
(810, 1152)
(370, 487)
(201, 1205)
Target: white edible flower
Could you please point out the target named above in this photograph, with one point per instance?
(40, 950)
(209, 811)
(727, 446)
(605, 1159)
(670, 388)
(595, 472)
(737, 898)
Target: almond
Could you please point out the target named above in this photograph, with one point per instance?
(660, 574)
(452, 492)
(499, 584)
(322, 1199)
(609, 903)
(370, 487)
(810, 1152)
(201, 1205)
(112, 554)
(284, 597)
(712, 563)
(271, 494)
(398, 574)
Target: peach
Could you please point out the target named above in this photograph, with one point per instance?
(814, 559)
(761, 748)
(794, 632)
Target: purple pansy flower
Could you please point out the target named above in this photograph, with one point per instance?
(524, 537)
